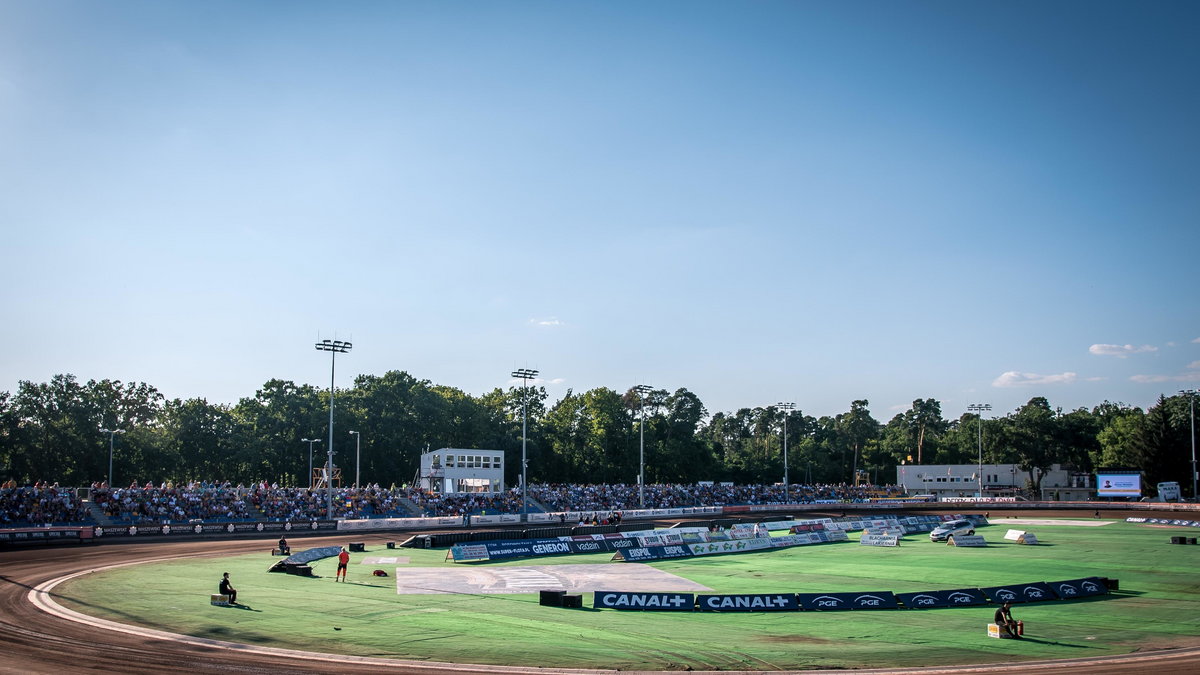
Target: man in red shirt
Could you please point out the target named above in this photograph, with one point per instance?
(343, 561)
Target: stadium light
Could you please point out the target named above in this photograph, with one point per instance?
(980, 408)
(113, 432)
(786, 407)
(357, 456)
(525, 375)
(1191, 394)
(334, 347)
(310, 441)
(642, 390)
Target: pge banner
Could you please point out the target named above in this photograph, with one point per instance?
(963, 597)
(1035, 592)
(778, 602)
(677, 602)
(825, 601)
(1118, 485)
(1079, 588)
(874, 600)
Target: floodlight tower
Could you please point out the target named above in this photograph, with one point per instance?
(1191, 394)
(334, 347)
(113, 432)
(642, 390)
(787, 407)
(525, 375)
(357, 456)
(980, 408)
(310, 441)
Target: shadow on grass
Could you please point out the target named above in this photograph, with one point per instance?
(1056, 643)
(238, 605)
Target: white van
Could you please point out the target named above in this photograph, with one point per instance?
(1168, 492)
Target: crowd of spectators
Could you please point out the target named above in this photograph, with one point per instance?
(168, 503)
(203, 501)
(40, 504)
(571, 497)
(478, 503)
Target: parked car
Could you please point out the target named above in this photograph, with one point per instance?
(951, 528)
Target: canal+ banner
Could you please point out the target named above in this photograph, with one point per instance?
(669, 602)
(770, 602)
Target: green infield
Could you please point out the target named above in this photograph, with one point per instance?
(1157, 606)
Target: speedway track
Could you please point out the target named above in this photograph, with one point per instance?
(53, 642)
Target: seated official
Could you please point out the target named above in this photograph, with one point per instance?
(1005, 621)
(226, 588)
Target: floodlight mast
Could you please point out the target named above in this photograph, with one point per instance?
(525, 375)
(1191, 394)
(980, 408)
(310, 441)
(787, 407)
(334, 347)
(642, 390)
(111, 433)
(357, 456)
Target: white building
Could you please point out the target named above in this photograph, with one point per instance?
(458, 470)
(999, 480)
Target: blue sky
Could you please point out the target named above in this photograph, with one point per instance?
(816, 202)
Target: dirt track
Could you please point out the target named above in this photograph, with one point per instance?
(36, 642)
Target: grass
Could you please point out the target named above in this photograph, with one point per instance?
(1158, 606)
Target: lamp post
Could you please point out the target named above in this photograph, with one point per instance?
(112, 433)
(357, 456)
(334, 347)
(1191, 394)
(980, 408)
(787, 408)
(310, 441)
(642, 390)
(525, 375)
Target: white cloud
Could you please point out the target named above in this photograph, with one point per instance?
(1194, 364)
(1094, 379)
(1154, 379)
(1196, 341)
(1014, 379)
(1120, 351)
(545, 322)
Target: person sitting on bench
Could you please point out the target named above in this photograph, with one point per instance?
(284, 549)
(1005, 620)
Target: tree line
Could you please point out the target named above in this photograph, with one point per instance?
(51, 431)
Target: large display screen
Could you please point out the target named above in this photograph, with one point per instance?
(1118, 484)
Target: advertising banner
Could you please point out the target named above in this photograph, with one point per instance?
(468, 552)
(1118, 484)
(599, 546)
(874, 600)
(879, 540)
(641, 553)
(825, 601)
(1078, 588)
(779, 602)
(1034, 592)
(677, 602)
(526, 548)
(963, 597)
